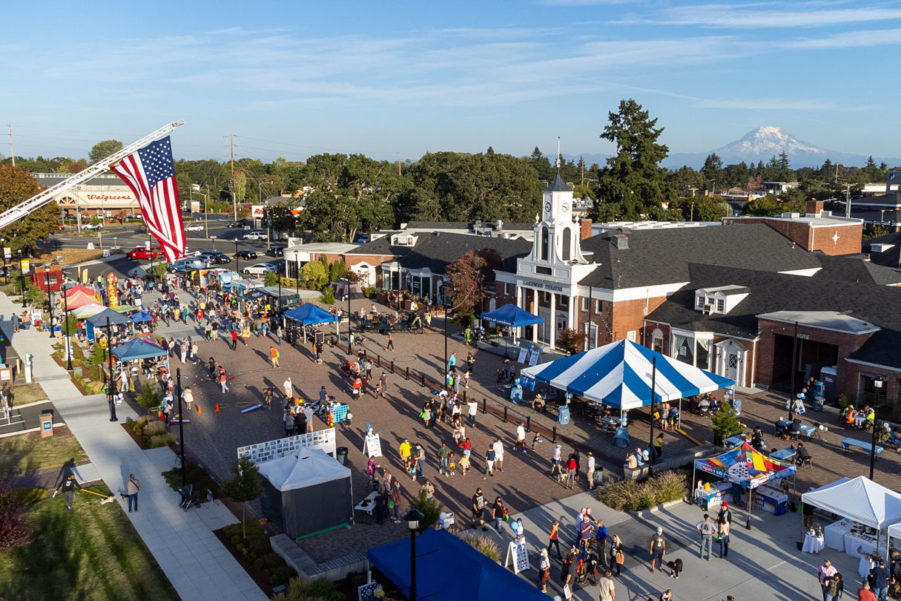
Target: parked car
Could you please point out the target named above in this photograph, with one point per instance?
(276, 250)
(259, 269)
(194, 227)
(234, 224)
(246, 253)
(142, 252)
(89, 226)
(216, 257)
(186, 264)
(254, 235)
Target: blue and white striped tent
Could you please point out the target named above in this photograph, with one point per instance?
(619, 374)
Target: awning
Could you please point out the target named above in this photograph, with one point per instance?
(448, 569)
(137, 349)
(99, 320)
(141, 316)
(619, 374)
(80, 295)
(511, 315)
(744, 466)
(861, 500)
(310, 314)
(86, 311)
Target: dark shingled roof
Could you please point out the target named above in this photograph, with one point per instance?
(439, 249)
(558, 185)
(889, 258)
(855, 268)
(661, 256)
(778, 292)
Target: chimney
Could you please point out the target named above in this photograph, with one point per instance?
(585, 227)
(620, 241)
(814, 207)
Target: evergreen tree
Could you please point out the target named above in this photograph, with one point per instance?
(244, 487)
(712, 172)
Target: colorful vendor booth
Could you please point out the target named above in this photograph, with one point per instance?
(743, 470)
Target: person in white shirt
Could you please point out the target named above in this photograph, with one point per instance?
(473, 409)
(289, 388)
(499, 455)
(590, 469)
(521, 436)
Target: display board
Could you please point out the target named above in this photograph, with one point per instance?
(518, 556)
(274, 449)
(372, 446)
(533, 358)
(523, 353)
(369, 592)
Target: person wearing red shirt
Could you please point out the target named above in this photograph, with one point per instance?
(865, 594)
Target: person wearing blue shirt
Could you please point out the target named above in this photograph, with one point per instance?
(600, 539)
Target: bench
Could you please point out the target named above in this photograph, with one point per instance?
(866, 446)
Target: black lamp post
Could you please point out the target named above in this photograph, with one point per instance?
(791, 399)
(448, 305)
(68, 334)
(181, 427)
(21, 275)
(350, 336)
(278, 277)
(5, 270)
(413, 517)
(49, 298)
(878, 383)
(237, 259)
(150, 254)
(111, 384)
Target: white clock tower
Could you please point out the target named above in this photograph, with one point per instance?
(557, 236)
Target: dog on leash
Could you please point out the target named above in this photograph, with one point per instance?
(675, 567)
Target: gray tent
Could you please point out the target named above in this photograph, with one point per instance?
(308, 493)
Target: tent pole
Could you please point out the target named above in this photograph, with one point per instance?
(748, 523)
(679, 420)
(652, 458)
(691, 493)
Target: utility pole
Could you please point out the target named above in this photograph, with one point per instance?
(12, 152)
(398, 164)
(231, 151)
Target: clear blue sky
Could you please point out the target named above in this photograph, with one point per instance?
(298, 78)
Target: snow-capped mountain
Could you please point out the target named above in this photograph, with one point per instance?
(766, 141)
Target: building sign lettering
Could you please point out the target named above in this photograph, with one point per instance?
(542, 285)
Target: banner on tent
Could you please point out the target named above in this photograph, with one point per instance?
(372, 446)
(518, 556)
(275, 449)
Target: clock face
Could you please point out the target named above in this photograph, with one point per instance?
(547, 207)
(565, 206)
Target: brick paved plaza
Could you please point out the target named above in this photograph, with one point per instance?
(213, 437)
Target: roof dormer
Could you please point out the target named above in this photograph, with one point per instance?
(719, 300)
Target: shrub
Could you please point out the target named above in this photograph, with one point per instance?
(328, 297)
(154, 428)
(304, 589)
(629, 495)
(843, 401)
(483, 545)
(149, 397)
(430, 509)
(160, 440)
(368, 291)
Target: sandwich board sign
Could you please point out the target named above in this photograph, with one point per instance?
(372, 446)
(518, 556)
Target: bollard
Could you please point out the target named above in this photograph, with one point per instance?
(392, 366)
(505, 415)
(529, 424)
(464, 396)
(484, 405)
(408, 373)
(555, 434)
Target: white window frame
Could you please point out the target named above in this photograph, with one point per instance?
(585, 304)
(564, 300)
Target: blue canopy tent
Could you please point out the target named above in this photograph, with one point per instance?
(138, 349)
(619, 374)
(512, 316)
(141, 317)
(99, 321)
(447, 569)
(309, 314)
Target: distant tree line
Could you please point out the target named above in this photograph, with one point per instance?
(342, 195)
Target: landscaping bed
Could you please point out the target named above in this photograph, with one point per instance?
(32, 452)
(194, 474)
(629, 495)
(149, 432)
(255, 555)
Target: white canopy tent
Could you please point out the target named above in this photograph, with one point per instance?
(862, 500)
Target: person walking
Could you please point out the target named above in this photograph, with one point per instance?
(68, 489)
(617, 554)
(390, 345)
(308, 413)
(601, 538)
(879, 579)
(472, 408)
(234, 335)
(490, 457)
(131, 492)
(273, 356)
(657, 550)
(499, 455)
(864, 593)
(556, 468)
(658, 447)
(443, 460)
(521, 436)
(835, 587)
(590, 469)
(498, 512)
(544, 571)
(383, 384)
(707, 530)
(478, 509)
(571, 469)
(288, 387)
(824, 573)
(723, 530)
(607, 592)
(553, 539)
(223, 380)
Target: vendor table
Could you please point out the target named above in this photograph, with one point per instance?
(771, 499)
(367, 505)
(835, 532)
(857, 545)
(813, 543)
(783, 454)
(734, 441)
(719, 492)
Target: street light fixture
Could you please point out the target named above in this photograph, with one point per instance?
(413, 517)
(878, 383)
(68, 334)
(49, 298)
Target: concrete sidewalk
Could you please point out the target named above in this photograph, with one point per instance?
(183, 543)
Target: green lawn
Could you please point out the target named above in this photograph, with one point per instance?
(89, 553)
(31, 452)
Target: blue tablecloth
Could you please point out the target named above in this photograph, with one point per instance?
(734, 441)
(783, 454)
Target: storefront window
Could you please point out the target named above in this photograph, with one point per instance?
(683, 348)
(703, 353)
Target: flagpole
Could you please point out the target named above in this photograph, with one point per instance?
(651, 458)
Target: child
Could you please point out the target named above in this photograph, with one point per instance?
(675, 568)
(453, 464)
(464, 465)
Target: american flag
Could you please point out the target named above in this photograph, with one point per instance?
(150, 173)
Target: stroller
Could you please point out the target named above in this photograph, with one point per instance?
(188, 499)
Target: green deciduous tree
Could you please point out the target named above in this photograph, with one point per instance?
(103, 149)
(314, 275)
(17, 185)
(632, 186)
(244, 487)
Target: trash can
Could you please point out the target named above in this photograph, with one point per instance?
(341, 455)
(563, 414)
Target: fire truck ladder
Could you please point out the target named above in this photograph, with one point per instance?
(36, 202)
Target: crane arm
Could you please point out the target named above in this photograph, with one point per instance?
(36, 202)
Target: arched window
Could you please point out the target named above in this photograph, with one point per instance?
(544, 240)
(567, 240)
